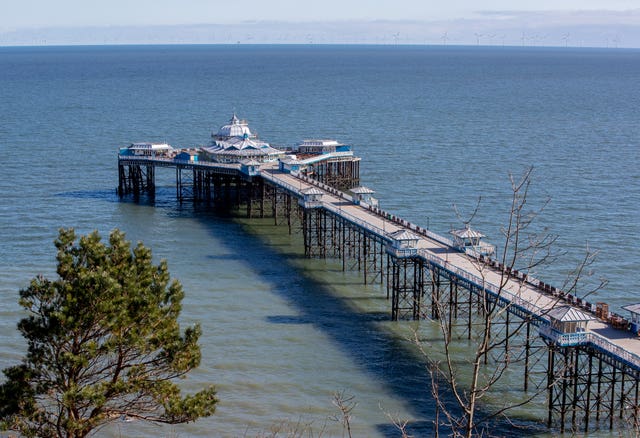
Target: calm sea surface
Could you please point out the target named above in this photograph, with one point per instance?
(435, 127)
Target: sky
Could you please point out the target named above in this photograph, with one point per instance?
(24, 19)
(47, 13)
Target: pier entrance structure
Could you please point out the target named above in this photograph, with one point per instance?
(593, 355)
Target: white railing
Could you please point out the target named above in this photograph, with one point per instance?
(438, 238)
(326, 155)
(403, 252)
(144, 158)
(588, 337)
(564, 339)
(357, 221)
(311, 204)
(281, 183)
(167, 160)
(615, 350)
(479, 250)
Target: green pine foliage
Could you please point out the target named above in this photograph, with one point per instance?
(104, 344)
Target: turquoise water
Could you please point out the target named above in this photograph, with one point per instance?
(435, 127)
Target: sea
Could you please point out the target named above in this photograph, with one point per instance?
(442, 133)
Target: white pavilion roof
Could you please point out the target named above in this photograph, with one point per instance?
(242, 147)
(319, 142)
(467, 233)
(404, 235)
(312, 191)
(235, 128)
(633, 308)
(361, 190)
(569, 314)
(241, 143)
(145, 146)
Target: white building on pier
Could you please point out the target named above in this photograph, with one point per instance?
(234, 143)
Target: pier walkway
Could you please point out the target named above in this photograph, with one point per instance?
(526, 295)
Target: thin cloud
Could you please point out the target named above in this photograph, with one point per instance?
(496, 27)
(569, 17)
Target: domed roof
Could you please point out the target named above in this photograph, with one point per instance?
(235, 128)
(234, 143)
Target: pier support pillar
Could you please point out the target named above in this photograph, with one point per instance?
(185, 178)
(136, 179)
(314, 230)
(407, 287)
(587, 389)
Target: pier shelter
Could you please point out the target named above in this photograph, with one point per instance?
(635, 317)
(312, 197)
(470, 240)
(146, 149)
(250, 167)
(187, 155)
(567, 319)
(364, 195)
(403, 243)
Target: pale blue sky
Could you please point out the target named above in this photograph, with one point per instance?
(17, 14)
(592, 23)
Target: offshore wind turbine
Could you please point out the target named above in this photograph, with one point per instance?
(444, 38)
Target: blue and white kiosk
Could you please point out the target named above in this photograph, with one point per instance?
(364, 195)
(312, 197)
(635, 317)
(403, 243)
(470, 241)
(567, 326)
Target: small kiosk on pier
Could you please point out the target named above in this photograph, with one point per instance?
(635, 317)
(470, 241)
(403, 243)
(364, 195)
(567, 326)
(312, 198)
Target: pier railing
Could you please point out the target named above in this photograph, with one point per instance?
(293, 189)
(172, 161)
(589, 337)
(609, 347)
(357, 221)
(563, 339)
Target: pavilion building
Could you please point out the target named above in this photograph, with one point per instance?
(235, 143)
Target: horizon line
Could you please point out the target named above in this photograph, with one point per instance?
(374, 44)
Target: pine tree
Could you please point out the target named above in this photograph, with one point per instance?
(104, 343)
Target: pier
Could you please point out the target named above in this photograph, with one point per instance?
(592, 363)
